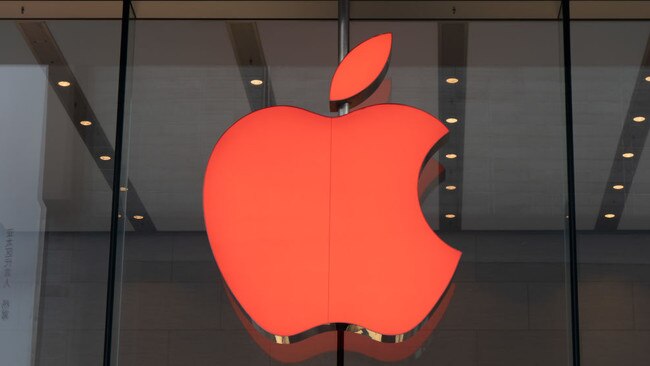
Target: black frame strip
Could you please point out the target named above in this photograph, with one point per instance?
(344, 48)
(117, 170)
(571, 196)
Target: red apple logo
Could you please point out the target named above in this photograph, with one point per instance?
(316, 219)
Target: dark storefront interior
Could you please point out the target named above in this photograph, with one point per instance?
(188, 68)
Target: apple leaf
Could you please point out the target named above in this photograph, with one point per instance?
(361, 71)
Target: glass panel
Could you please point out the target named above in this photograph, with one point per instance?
(58, 89)
(498, 87)
(611, 97)
(191, 81)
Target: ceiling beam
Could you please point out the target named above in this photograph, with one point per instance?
(249, 53)
(631, 140)
(74, 101)
(452, 66)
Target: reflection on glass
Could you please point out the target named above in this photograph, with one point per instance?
(55, 191)
(502, 199)
(611, 103)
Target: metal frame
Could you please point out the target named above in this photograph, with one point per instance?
(572, 249)
(344, 48)
(117, 179)
(327, 9)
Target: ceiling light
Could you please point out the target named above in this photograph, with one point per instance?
(450, 216)
(119, 216)
(647, 78)
(105, 158)
(257, 82)
(610, 216)
(123, 189)
(618, 187)
(638, 119)
(138, 217)
(451, 156)
(450, 188)
(628, 155)
(63, 83)
(452, 80)
(85, 123)
(451, 120)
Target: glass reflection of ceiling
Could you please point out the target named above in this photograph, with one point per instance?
(75, 193)
(514, 141)
(301, 63)
(187, 90)
(605, 74)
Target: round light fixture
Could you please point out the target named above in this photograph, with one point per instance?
(85, 123)
(138, 217)
(123, 189)
(450, 216)
(451, 156)
(63, 83)
(638, 119)
(628, 155)
(609, 216)
(257, 82)
(452, 80)
(450, 188)
(105, 158)
(647, 78)
(451, 120)
(618, 187)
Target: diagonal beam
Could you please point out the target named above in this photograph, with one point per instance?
(631, 140)
(452, 66)
(247, 46)
(72, 98)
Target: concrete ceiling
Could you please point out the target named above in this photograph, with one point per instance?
(186, 90)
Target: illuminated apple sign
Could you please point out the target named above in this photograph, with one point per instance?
(316, 219)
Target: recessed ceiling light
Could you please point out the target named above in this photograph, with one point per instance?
(123, 189)
(628, 155)
(63, 83)
(257, 82)
(450, 216)
(638, 119)
(451, 120)
(618, 187)
(138, 217)
(609, 216)
(452, 80)
(85, 123)
(105, 158)
(119, 215)
(451, 156)
(450, 188)
(647, 78)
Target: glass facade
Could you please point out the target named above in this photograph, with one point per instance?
(539, 106)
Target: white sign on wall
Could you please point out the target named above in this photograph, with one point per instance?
(23, 92)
